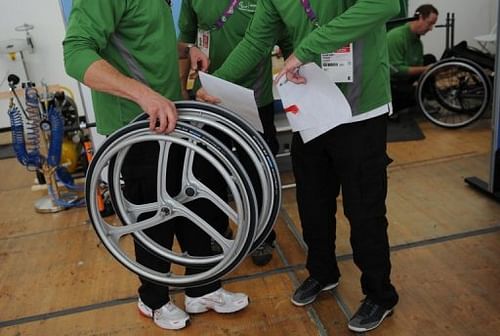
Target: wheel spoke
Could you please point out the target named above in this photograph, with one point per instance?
(167, 207)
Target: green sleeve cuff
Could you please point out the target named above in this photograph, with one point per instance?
(188, 37)
(77, 62)
(404, 69)
(303, 55)
(399, 71)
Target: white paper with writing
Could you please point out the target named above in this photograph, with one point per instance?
(314, 107)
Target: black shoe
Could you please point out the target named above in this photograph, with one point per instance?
(368, 317)
(263, 254)
(309, 290)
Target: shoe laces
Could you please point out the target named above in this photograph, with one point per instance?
(367, 308)
(171, 307)
(309, 283)
(219, 296)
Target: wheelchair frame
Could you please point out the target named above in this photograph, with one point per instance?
(457, 90)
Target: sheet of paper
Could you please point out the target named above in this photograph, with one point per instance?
(315, 107)
(236, 98)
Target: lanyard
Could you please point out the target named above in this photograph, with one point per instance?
(310, 12)
(227, 14)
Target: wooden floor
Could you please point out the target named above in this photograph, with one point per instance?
(56, 279)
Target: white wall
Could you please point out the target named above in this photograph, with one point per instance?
(472, 18)
(46, 62)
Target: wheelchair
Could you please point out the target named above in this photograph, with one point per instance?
(457, 90)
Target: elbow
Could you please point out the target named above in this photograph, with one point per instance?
(69, 64)
(77, 60)
(71, 71)
(68, 67)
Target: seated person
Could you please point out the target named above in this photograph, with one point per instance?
(406, 58)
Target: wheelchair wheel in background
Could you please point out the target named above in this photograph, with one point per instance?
(454, 93)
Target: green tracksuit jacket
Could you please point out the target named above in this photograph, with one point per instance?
(405, 50)
(341, 22)
(146, 31)
(200, 14)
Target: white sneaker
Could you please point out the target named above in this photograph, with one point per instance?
(169, 316)
(221, 301)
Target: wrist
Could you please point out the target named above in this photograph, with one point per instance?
(140, 93)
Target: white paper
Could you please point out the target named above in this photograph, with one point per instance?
(321, 105)
(236, 98)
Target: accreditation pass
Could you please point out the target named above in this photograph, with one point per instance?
(338, 64)
(203, 41)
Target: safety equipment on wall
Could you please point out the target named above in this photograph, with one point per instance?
(251, 213)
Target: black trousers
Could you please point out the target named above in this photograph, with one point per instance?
(139, 173)
(403, 93)
(350, 158)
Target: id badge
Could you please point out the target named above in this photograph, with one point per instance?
(338, 64)
(203, 41)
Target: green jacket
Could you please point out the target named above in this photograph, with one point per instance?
(405, 50)
(198, 14)
(341, 22)
(146, 30)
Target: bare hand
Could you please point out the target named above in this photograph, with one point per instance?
(202, 95)
(199, 61)
(162, 112)
(291, 70)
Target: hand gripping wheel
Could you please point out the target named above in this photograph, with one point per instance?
(252, 216)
